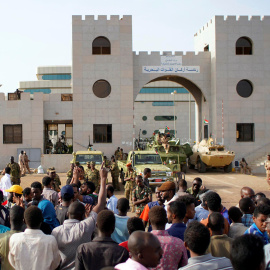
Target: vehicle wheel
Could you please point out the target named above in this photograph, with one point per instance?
(228, 168)
(201, 166)
(184, 168)
(190, 166)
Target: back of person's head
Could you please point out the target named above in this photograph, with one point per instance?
(235, 214)
(46, 181)
(90, 185)
(135, 224)
(198, 179)
(146, 171)
(7, 170)
(33, 217)
(245, 204)
(260, 194)
(123, 205)
(247, 253)
(197, 237)
(76, 211)
(182, 183)
(216, 222)
(110, 188)
(213, 201)
(178, 208)
(262, 210)
(187, 200)
(158, 216)
(36, 185)
(263, 200)
(26, 191)
(106, 221)
(16, 215)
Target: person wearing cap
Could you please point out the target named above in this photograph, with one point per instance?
(48, 193)
(92, 174)
(15, 173)
(67, 197)
(167, 190)
(129, 183)
(196, 189)
(15, 196)
(55, 177)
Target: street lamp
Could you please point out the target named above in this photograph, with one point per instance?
(173, 93)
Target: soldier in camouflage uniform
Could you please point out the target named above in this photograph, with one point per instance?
(70, 173)
(15, 173)
(56, 179)
(92, 174)
(129, 183)
(117, 154)
(141, 195)
(115, 174)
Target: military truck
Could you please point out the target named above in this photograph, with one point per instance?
(147, 159)
(87, 156)
(208, 154)
(175, 157)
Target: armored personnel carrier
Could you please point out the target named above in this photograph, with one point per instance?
(208, 154)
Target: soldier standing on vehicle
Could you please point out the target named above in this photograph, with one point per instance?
(130, 183)
(15, 173)
(141, 195)
(115, 174)
(92, 174)
(267, 166)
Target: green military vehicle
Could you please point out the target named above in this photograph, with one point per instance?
(87, 156)
(175, 156)
(147, 159)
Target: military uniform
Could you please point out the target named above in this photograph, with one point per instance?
(56, 182)
(15, 173)
(129, 185)
(94, 177)
(69, 175)
(267, 165)
(139, 193)
(115, 175)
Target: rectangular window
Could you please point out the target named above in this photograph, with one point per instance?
(12, 134)
(245, 132)
(66, 97)
(102, 133)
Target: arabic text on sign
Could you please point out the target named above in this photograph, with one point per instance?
(169, 69)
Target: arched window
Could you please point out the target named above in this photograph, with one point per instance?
(243, 46)
(101, 45)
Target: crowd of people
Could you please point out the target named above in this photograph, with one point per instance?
(83, 225)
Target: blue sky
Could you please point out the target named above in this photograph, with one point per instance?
(38, 32)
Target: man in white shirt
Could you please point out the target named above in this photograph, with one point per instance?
(112, 202)
(32, 249)
(76, 230)
(6, 182)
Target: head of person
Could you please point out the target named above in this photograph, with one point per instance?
(106, 222)
(135, 224)
(92, 165)
(129, 166)
(11, 159)
(216, 223)
(7, 170)
(139, 181)
(47, 181)
(247, 192)
(72, 166)
(36, 189)
(145, 248)
(76, 210)
(22, 152)
(158, 196)
(27, 194)
(258, 196)
(213, 201)
(158, 217)
(16, 217)
(247, 205)
(202, 197)
(261, 213)
(33, 217)
(182, 185)
(123, 206)
(147, 172)
(197, 238)
(75, 191)
(88, 165)
(48, 213)
(176, 212)
(247, 253)
(196, 184)
(113, 159)
(52, 173)
(262, 201)
(189, 202)
(235, 214)
(14, 191)
(87, 188)
(77, 163)
(110, 191)
(167, 190)
(67, 193)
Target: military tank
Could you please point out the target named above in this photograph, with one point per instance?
(208, 154)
